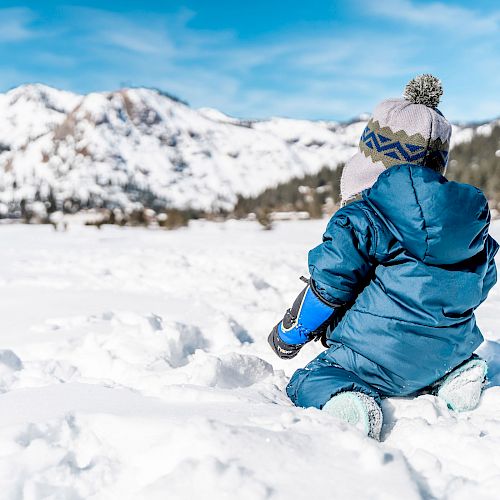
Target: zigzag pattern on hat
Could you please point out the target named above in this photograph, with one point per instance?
(392, 148)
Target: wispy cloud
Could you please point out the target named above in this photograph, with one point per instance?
(15, 24)
(460, 20)
(103, 28)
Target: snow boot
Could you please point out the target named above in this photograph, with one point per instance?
(462, 387)
(357, 409)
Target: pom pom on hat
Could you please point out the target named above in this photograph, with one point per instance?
(424, 89)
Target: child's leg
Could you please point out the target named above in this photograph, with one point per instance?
(320, 380)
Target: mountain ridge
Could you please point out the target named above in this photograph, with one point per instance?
(140, 147)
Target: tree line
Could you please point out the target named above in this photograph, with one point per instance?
(476, 162)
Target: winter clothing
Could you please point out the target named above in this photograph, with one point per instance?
(322, 378)
(357, 409)
(411, 262)
(281, 348)
(408, 130)
(308, 313)
(395, 283)
(304, 321)
(461, 389)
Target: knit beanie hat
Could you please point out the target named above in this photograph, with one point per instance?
(407, 130)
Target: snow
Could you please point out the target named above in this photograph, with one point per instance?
(134, 365)
(465, 133)
(121, 147)
(134, 145)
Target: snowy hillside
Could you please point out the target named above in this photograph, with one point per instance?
(138, 145)
(134, 365)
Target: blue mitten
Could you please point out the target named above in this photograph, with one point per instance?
(303, 322)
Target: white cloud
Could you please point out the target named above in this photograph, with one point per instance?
(461, 20)
(15, 24)
(103, 28)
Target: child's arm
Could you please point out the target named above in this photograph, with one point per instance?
(491, 273)
(341, 265)
(304, 321)
(339, 268)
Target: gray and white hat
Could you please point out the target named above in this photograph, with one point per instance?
(406, 130)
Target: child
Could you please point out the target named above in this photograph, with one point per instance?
(402, 267)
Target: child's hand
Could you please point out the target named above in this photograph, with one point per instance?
(303, 322)
(281, 348)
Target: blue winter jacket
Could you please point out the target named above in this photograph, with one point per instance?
(411, 261)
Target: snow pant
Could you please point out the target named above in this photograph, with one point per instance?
(321, 379)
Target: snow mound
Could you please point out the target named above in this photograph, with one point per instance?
(123, 349)
(208, 477)
(58, 459)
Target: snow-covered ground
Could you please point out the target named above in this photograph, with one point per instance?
(135, 366)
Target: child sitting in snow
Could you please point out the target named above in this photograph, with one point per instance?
(402, 267)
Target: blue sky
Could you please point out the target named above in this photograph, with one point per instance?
(304, 59)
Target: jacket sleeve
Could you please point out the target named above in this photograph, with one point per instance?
(342, 264)
(490, 277)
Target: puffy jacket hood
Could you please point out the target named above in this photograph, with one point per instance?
(436, 220)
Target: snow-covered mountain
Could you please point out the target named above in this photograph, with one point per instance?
(142, 146)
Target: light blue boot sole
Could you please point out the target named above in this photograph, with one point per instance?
(462, 388)
(357, 409)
